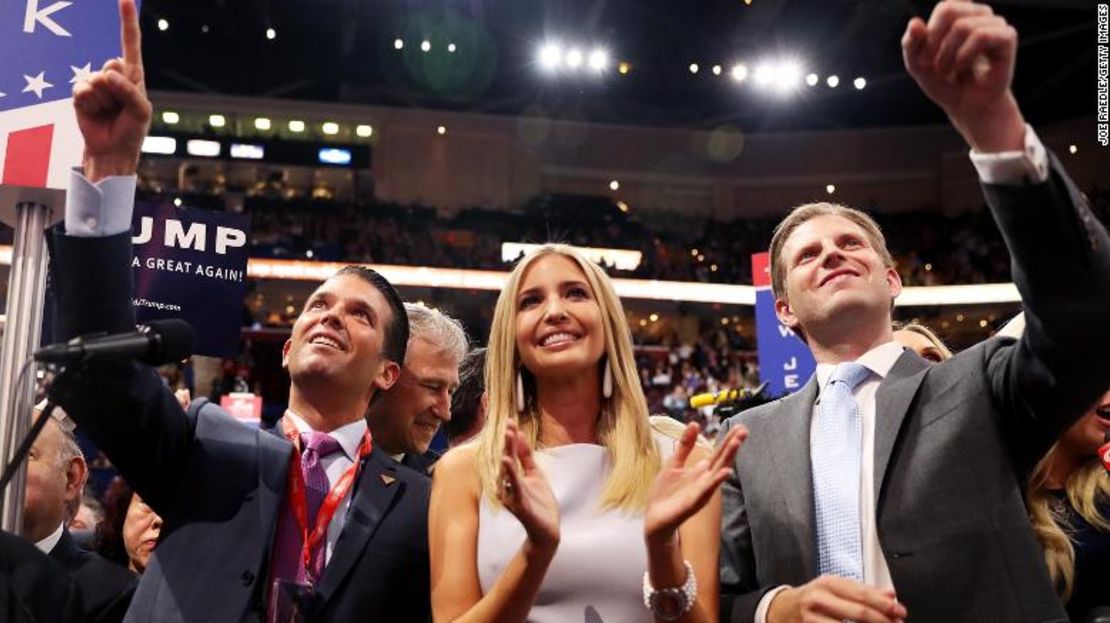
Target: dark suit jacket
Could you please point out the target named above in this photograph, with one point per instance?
(954, 442)
(218, 484)
(33, 588)
(106, 588)
(422, 463)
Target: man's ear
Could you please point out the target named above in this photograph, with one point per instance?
(387, 376)
(285, 353)
(894, 282)
(785, 313)
(77, 473)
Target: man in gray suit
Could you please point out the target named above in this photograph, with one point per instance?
(887, 488)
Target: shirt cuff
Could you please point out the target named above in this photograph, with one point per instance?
(101, 209)
(765, 603)
(1029, 166)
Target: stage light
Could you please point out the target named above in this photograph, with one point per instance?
(296, 126)
(217, 121)
(334, 155)
(716, 70)
(859, 83)
(830, 189)
(204, 29)
(161, 145)
(271, 34)
(550, 56)
(364, 131)
(330, 128)
(163, 25)
(574, 58)
(1072, 149)
(177, 202)
(693, 68)
(622, 206)
(624, 68)
(599, 59)
(441, 130)
(169, 117)
(398, 44)
(614, 185)
(787, 76)
(739, 72)
(202, 148)
(812, 80)
(247, 152)
(654, 317)
(451, 48)
(833, 81)
(764, 73)
(426, 46)
(262, 123)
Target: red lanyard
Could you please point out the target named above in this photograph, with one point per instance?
(296, 491)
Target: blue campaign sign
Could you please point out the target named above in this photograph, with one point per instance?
(784, 360)
(47, 45)
(192, 264)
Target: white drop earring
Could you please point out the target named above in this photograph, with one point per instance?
(519, 392)
(607, 381)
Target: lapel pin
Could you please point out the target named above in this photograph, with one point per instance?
(387, 480)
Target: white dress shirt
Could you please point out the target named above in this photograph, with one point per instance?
(349, 437)
(1008, 167)
(47, 544)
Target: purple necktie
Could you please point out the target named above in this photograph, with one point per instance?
(286, 563)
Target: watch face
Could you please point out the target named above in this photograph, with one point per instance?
(668, 603)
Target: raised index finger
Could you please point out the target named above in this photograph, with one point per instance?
(131, 39)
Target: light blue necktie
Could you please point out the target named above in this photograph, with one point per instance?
(835, 452)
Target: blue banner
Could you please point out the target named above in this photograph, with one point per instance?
(784, 360)
(192, 264)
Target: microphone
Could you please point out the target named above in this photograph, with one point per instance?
(1104, 451)
(725, 395)
(156, 343)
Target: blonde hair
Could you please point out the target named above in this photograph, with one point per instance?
(1083, 489)
(622, 426)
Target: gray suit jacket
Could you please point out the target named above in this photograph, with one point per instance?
(954, 442)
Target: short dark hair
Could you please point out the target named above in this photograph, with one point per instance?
(395, 339)
(467, 399)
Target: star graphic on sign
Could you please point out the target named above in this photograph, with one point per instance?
(80, 73)
(38, 84)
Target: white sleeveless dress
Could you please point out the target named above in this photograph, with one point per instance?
(598, 571)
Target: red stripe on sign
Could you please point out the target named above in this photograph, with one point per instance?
(761, 271)
(28, 159)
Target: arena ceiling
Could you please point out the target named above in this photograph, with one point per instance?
(483, 55)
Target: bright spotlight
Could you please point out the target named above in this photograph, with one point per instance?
(441, 130)
(217, 121)
(330, 128)
(262, 123)
(398, 44)
(271, 34)
(550, 56)
(859, 83)
(614, 185)
(830, 188)
(833, 81)
(163, 25)
(739, 72)
(451, 48)
(1072, 149)
(296, 125)
(624, 68)
(716, 70)
(426, 45)
(169, 117)
(599, 60)
(693, 68)
(812, 80)
(788, 76)
(364, 131)
(764, 74)
(574, 58)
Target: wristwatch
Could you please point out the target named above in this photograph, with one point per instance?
(669, 604)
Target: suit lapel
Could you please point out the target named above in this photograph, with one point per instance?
(789, 448)
(377, 486)
(892, 401)
(274, 454)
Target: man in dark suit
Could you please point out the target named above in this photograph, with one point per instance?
(887, 488)
(56, 475)
(232, 546)
(406, 417)
(33, 588)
